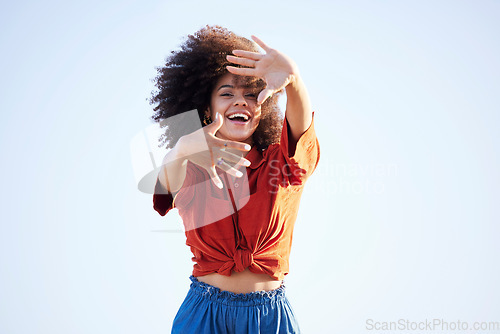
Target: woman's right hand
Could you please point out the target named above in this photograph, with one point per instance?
(204, 149)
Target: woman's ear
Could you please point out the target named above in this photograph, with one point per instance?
(207, 119)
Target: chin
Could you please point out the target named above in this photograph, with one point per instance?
(240, 136)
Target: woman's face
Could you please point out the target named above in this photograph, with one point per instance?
(237, 104)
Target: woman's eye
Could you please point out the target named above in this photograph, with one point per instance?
(251, 95)
(226, 94)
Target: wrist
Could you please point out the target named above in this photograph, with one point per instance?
(171, 162)
(295, 82)
(177, 153)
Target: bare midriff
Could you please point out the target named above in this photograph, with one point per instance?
(241, 282)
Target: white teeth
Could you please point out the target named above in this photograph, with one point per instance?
(245, 117)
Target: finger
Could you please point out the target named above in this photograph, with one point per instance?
(214, 177)
(248, 54)
(241, 71)
(233, 158)
(263, 95)
(225, 144)
(261, 43)
(241, 61)
(216, 124)
(228, 168)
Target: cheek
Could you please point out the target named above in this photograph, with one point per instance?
(256, 122)
(258, 114)
(217, 104)
(258, 118)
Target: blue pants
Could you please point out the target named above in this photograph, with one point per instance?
(207, 309)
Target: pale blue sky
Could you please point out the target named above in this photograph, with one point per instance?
(399, 221)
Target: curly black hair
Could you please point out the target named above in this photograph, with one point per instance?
(187, 79)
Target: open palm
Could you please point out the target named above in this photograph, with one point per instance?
(274, 67)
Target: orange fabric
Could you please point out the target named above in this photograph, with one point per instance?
(249, 223)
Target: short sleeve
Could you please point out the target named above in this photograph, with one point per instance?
(164, 201)
(304, 159)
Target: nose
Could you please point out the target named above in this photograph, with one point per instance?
(240, 100)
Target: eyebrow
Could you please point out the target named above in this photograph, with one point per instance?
(224, 86)
(231, 86)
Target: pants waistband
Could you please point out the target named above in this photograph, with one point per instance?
(227, 297)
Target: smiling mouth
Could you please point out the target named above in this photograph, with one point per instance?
(238, 118)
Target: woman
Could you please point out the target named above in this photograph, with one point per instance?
(237, 180)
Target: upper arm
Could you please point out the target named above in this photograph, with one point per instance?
(164, 201)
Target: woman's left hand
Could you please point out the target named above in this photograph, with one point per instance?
(277, 69)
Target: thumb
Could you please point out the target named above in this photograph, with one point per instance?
(216, 124)
(263, 95)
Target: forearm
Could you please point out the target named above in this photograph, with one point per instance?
(298, 107)
(173, 171)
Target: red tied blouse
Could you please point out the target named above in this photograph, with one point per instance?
(249, 222)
